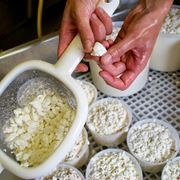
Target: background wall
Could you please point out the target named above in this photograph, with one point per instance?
(18, 20)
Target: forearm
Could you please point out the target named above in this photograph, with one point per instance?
(160, 6)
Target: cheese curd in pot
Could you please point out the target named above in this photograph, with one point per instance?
(90, 91)
(107, 117)
(172, 22)
(64, 173)
(112, 166)
(172, 170)
(36, 130)
(152, 142)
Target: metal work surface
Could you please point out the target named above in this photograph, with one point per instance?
(160, 98)
(44, 49)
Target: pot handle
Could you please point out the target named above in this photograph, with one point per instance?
(75, 52)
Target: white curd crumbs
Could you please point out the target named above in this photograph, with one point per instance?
(63, 173)
(113, 166)
(98, 50)
(107, 117)
(89, 90)
(152, 142)
(76, 148)
(35, 130)
(172, 171)
(172, 22)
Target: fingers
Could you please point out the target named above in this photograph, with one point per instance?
(117, 50)
(126, 77)
(89, 57)
(107, 43)
(98, 28)
(105, 19)
(114, 69)
(101, 24)
(121, 83)
(90, 29)
(81, 68)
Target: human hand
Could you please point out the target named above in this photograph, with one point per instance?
(130, 52)
(82, 17)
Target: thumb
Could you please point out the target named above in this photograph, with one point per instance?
(67, 31)
(65, 38)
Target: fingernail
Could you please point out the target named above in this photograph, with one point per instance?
(93, 16)
(88, 46)
(106, 59)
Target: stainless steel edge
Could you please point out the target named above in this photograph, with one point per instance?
(43, 49)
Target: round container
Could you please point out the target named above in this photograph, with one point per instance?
(101, 153)
(150, 166)
(166, 55)
(117, 137)
(82, 157)
(101, 85)
(66, 166)
(90, 91)
(170, 163)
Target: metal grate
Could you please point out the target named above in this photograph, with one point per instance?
(160, 98)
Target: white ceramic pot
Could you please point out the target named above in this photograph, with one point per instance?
(83, 155)
(112, 150)
(169, 164)
(116, 138)
(100, 84)
(166, 53)
(149, 166)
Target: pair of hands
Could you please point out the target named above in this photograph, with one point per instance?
(127, 56)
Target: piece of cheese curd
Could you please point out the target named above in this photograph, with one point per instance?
(98, 49)
(36, 130)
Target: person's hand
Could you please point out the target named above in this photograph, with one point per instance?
(92, 24)
(130, 52)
